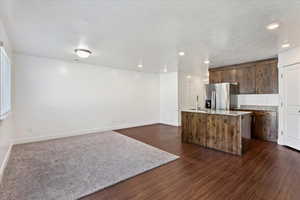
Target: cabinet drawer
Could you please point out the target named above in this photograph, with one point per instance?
(265, 125)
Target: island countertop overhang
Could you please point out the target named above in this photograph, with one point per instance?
(217, 112)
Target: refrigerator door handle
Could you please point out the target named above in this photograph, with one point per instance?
(213, 100)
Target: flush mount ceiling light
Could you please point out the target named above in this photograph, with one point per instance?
(206, 62)
(188, 76)
(285, 45)
(83, 53)
(181, 53)
(273, 26)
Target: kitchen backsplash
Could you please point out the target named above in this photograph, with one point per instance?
(259, 99)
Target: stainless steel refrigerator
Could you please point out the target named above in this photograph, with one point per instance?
(222, 96)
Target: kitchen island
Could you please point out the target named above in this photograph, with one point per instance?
(217, 129)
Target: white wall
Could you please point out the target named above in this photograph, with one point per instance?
(6, 126)
(57, 98)
(289, 57)
(169, 98)
(190, 85)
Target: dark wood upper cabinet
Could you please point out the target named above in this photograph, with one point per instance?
(266, 77)
(229, 76)
(215, 77)
(246, 80)
(259, 77)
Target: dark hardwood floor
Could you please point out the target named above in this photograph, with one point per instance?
(266, 171)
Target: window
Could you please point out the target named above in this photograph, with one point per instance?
(5, 84)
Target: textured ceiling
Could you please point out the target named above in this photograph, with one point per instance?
(123, 33)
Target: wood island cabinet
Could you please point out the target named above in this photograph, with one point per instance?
(216, 131)
(259, 77)
(194, 127)
(224, 133)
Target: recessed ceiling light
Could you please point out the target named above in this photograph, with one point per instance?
(83, 53)
(63, 70)
(286, 45)
(273, 26)
(206, 62)
(140, 66)
(188, 76)
(181, 53)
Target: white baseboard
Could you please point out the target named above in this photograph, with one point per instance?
(78, 132)
(170, 123)
(5, 161)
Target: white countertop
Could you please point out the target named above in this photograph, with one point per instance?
(217, 112)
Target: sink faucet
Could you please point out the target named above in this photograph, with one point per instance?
(197, 107)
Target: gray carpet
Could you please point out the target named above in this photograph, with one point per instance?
(74, 167)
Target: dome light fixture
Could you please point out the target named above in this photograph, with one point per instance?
(273, 26)
(285, 45)
(181, 53)
(83, 53)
